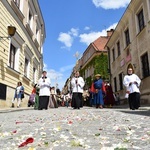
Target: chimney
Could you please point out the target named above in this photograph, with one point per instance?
(110, 32)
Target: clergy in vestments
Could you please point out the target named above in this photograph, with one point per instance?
(44, 93)
(77, 84)
(132, 82)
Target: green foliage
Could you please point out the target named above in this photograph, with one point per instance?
(100, 65)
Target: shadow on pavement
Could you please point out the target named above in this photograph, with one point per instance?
(137, 112)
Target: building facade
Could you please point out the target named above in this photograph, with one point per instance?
(95, 60)
(21, 56)
(129, 46)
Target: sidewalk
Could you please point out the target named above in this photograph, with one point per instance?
(143, 107)
(7, 110)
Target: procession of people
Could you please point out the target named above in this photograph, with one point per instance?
(99, 94)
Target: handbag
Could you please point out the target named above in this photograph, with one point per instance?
(22, 95)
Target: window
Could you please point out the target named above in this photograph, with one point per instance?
(115, 84)
(127, 37)
(34, 75)
(17, 2)
(37, 33)
(118, 48)
(30, 19)
(12, 56)
(141, 20)
(113, 53)
(145, 65)
(120, 81)
(26, 67)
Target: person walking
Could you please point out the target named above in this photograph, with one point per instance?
(52, 98)
(109, 99)
(77, 84)
(18, 94)
(132, 82)
(31, 100)
(36, 103)
(99, 91)
(44, 93)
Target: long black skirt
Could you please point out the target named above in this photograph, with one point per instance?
(77, 101)
(43, 102)
(134, 100)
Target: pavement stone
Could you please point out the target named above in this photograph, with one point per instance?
(116, 128)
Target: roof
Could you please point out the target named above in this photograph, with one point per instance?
(100, 43)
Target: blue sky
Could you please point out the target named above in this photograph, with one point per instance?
(71, 25)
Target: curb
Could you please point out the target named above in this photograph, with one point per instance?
(8, 110)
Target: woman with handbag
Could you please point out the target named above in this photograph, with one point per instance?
(19, 91)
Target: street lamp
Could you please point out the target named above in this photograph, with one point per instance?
(11, 30)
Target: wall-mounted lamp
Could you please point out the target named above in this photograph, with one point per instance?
(11, 30)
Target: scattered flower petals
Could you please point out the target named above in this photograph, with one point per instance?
(29, 140)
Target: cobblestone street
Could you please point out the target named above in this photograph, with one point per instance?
(67, 129)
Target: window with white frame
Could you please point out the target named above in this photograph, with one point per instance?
(17, 2)
(12, 56)
(34, 74)
(30, 19)
(26, 66)
(13, 60)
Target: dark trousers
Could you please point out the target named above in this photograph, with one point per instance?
(43, 102)
(77, 101)
(134, 100)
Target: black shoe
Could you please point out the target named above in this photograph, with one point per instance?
(12, 106)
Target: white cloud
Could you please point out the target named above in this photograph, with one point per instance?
(87, 28)
(74, 32)
(111, 4)
(88, 38)
(66, 68)
(67, 38)
(58, 77)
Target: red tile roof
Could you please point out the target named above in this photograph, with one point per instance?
(100, 43)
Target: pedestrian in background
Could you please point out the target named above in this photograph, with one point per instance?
(77, 84)
(52, 98)
(36, 103)
(99, 91)
(18, 94)
(132, 82)
(44, 93)
(31, 100)
(110, 97)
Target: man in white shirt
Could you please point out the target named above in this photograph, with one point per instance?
(132, 82)
(77, 84)
(44, 93)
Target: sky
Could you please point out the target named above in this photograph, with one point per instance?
(71, 25)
